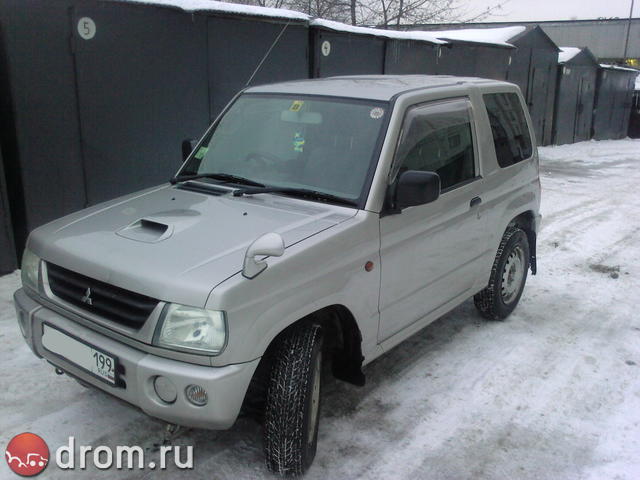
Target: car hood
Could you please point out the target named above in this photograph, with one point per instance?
(173, 244)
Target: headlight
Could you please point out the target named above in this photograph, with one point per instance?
(192, 329)
(30, 269)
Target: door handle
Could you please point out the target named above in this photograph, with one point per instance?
(475, 201)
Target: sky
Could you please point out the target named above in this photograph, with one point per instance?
(536, 10)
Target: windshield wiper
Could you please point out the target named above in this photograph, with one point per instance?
(227, 177)
(299, 192)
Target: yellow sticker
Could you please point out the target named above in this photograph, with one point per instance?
(296, 105)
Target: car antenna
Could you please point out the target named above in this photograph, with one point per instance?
(268, 52)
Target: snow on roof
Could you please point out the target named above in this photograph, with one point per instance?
(378, 32)
(618, 67)
(567, 53)
(223, 7)
(497, 36)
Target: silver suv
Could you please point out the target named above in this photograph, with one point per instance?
(316, 221)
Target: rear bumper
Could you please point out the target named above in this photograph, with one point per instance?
(225, 386)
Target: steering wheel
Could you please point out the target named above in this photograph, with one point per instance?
(263, 159)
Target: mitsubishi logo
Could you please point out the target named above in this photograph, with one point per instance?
(87, 297)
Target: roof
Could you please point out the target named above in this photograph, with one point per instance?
(577, 57)
(222, 7)
(618, 67)
(530, 22)
(370, 87)
(567, 53)
(494, 36)
(378, 32)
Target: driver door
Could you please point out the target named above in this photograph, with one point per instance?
(431, 254)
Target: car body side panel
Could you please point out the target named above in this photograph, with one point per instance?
(509, 191)
(326, 269)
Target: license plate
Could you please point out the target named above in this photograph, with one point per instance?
(81, 354)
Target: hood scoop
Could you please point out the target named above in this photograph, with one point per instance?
(146, 230)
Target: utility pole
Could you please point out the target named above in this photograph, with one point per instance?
(626, 43)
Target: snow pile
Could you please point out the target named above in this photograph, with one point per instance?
(567, 53)
(497, 36)
(378, 32)
(223, 7)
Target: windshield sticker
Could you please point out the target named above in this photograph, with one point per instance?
(202, 151)
(298, 142)
(296, 105)
(376, 113)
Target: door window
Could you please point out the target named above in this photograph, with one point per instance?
(437, 137)
(509, 128)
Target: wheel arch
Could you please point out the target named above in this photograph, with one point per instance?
(342, 344)
(526, 221)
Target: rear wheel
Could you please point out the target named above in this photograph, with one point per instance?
(292, 408)
(508, 277)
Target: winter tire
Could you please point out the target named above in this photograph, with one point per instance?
(508, 276)
(293, 402)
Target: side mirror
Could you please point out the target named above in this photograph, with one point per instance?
(270, 244)
(187, 147)
(416, 188)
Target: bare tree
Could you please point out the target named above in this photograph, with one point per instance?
(382, 13)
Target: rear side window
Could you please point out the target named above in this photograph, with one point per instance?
(509, 128)
(437, 138)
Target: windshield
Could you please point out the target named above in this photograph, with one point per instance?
(321, 144)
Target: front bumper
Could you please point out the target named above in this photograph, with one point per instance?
(226, 386)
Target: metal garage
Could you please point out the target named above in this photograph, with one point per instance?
(116, 86)
(531, 65)
(40, 132)
(614, 92)
(474, 59)
(575, 94)
(534, 68)
(338, 49)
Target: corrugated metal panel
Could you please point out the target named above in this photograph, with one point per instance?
(231, 63)
(8, 260)
(575, 100)
(45, 153)
(405, 57)
(342, 53)
(614, 93)
(142, 89)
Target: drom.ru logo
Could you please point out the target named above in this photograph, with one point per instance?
(27, 454)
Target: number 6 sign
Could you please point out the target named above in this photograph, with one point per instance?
(86, 28)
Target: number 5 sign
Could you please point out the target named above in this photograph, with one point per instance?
(86, 28)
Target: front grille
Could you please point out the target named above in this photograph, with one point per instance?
(113, 303)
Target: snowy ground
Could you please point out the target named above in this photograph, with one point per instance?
(551, 393)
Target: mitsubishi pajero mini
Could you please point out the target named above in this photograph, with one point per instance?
(316, 221)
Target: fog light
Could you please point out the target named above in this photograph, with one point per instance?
(165, 389)
(196, 395)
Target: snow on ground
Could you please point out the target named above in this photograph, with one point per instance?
(551, 393)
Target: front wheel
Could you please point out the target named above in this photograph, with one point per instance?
(508, 276)
(292, 407)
